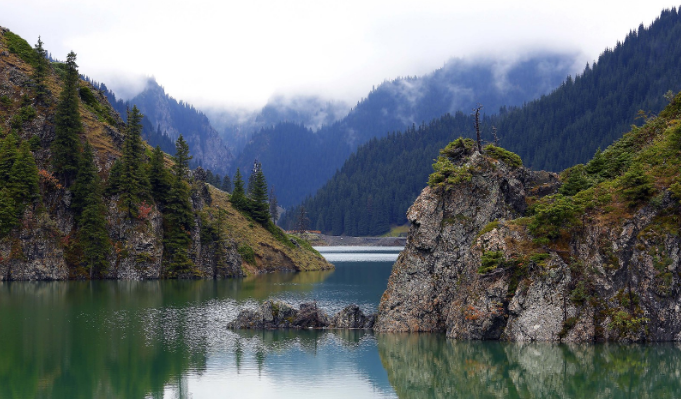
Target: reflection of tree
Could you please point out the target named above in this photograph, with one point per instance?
(423, 365)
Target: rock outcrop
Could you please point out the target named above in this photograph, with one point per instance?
(592, 265)
(274, 315)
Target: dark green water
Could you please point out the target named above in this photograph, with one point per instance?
(166, 339)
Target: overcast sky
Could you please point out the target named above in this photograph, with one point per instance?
(240, 53)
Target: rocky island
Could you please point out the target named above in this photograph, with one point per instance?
(499, 252)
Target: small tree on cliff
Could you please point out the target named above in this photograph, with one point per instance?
(178, 216)
(66, 145)
(134, 182)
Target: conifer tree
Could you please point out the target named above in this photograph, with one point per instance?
(24, 178)
(238, 197)
(8, 212)
(178, 216)
(258, 204)
(66, 145)
(226, 184)
(86, 180)
(40, 71)
(134, 182)
(8, 154)
(92, 233)
(181, 158)
(159, 177)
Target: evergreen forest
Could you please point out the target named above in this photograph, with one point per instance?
(627, 85)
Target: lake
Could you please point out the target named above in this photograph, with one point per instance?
(167, 339)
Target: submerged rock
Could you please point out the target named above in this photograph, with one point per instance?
(277, 315)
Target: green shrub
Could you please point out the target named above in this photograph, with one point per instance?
(637, 185)
(581, 293)
(247, 253)
(459, 147)
(503, 155)
(5, 101)
(490, 260)
(552, 214)
(574, 180)
(446, 173)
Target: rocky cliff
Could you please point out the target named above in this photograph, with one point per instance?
(494, 252)
(42, 245)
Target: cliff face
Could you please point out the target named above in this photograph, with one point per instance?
(42, 246)
(496, 254)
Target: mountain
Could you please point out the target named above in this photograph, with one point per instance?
(165, 116)
(238, 126)
(556, 131)
(396, 105)
(83, 197)
(499, 252)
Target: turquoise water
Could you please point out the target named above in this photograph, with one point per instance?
(167, 339)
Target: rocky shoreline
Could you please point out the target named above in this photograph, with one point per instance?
(272, 315)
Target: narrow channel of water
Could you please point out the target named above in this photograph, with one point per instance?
(167, 339)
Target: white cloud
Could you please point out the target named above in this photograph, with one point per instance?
(241, 53)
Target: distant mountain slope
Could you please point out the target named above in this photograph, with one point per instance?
(558, 130)
(396, 105)
(165, 116)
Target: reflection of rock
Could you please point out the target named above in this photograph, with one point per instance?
(276, 314)
(429, 365)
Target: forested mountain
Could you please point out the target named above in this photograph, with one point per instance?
(558, 130)
(396, 105)
(165, 117)
(82, 196)
(238, 126)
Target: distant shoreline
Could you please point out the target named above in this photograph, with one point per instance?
(321, 240)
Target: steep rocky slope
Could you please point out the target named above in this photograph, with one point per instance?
(494, 253)
(42, 244)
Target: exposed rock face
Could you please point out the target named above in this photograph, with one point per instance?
(275, 315)
(352, 317)
(435, 274)
(608, 280)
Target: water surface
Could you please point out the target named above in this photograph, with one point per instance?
(167, 339)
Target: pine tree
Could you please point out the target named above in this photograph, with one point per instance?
(8, 154)
(238, 197)
(8, 212)
(134, 184)
(159, 177)
(24, 178)
(86, 180)
(92, 233)
(258, 206)
(226, 184)
(181, 158)
(40, 71)
(66, 145)
(178, 216)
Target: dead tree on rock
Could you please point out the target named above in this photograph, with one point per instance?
(477, 126)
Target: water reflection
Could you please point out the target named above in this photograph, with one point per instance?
(167, 339)
(430, 366)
